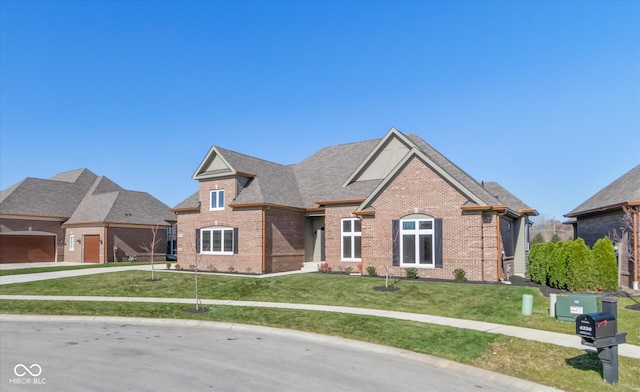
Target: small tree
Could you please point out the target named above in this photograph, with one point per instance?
(193, 246)
(150, 248)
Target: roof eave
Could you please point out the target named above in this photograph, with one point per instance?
(629, 203)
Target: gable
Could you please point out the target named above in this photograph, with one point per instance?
(388, 156)
(213, 165)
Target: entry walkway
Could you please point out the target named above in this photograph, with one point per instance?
(555, 338)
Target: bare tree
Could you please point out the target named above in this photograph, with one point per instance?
(150, 248)
(191, 245)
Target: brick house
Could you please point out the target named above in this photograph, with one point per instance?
(392, 202)
(613, 212)
(80, 217)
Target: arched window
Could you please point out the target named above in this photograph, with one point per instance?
(417, 242)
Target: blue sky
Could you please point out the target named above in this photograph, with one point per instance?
(540, 96)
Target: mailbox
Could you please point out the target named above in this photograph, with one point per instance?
(595, 326)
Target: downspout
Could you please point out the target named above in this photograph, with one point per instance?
(264, 238)
(482, 246)
(636, 234)
(499, 244)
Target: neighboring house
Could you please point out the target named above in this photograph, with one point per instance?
(613, 212)
(81, 217)
(393, 202)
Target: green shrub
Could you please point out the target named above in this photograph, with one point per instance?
(459, 275)
(605, 264)
(580, 271)
(558, 265)
(539, 256)
(371, 270)
(412, 273)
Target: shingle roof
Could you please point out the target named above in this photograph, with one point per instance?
(622, 190)
(56, 197)
(83, 197)
(322, 177)
(273, 183)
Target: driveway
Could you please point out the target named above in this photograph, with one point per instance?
(108, 354)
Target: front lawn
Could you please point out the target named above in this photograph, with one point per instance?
(494, 303)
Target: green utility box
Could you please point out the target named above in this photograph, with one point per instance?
(570, 306)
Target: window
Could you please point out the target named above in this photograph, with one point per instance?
(351, 239)
(217, 240)
(72, 242)
(217, 200)
(417, 243)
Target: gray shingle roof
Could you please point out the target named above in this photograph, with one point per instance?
(56, 197)
(273, 183)
(321, 177)
(83, 197)
(622, 190)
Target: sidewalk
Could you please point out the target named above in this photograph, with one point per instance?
(559, 339)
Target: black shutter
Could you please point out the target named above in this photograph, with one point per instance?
(438, 241)
(395, 238)
(235, 240)
(197, 241)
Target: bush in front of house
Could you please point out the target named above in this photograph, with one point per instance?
(580, 271)
(412, 273)
(605, 264)
(571, 265)
(539, 258)
(558, 265)
(371, 270)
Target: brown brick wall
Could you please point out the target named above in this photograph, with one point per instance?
(468, 243)
(285, 233)
(248, 221)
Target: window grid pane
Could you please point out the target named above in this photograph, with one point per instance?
(228, 241)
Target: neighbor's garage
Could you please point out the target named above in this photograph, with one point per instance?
(27, 247)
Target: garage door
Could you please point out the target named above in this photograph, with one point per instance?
(27, 248)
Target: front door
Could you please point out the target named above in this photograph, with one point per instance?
(91, 248)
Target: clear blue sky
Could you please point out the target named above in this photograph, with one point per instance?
(540, 96)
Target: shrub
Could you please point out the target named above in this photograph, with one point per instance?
(168, 264)
(324, 267)
(580, 271)
(558, 261)
(178, 266)
(459, 275)
(538, 269)
(412, 273)
(348, 270)
(371, 270)
(605, 264)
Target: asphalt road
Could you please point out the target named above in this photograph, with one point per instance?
(119, 356)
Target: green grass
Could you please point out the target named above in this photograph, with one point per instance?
(495, 303)
(36, 270)
(564, 368)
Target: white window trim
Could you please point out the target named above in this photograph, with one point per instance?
(222, 231)
(72, 244)
(417, 232)
(351, 235)
(217, 192)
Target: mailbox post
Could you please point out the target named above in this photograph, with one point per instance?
(600, 330)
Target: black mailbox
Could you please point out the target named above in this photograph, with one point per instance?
(595, 326)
